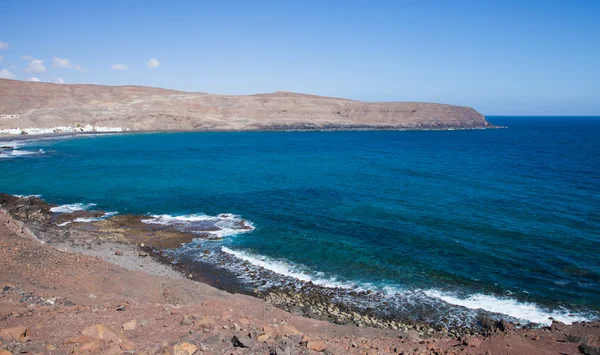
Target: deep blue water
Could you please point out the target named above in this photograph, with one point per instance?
(506, 219)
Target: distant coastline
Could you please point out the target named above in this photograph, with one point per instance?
(26, 137)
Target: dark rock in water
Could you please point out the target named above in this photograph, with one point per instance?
(242, 341)
(589, 349)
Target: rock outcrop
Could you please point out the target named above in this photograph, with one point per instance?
(46, 105)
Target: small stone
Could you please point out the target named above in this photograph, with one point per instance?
(288, 330)
(186, 320)
(92, 347)
(143, 254)
(131, 325)
(472, 342)
(285, 351)
(144, 323)
(212, 340)
(316, 345)
(242, 341)
(121, 308)
(263, 337)
(14, 333)
(410, 335)
(142, 245)
(92, 296)
(118, 252)
(68, 303)
(184, 349)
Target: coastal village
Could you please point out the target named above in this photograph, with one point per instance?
(60, 129)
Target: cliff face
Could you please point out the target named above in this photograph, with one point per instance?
(145, 108)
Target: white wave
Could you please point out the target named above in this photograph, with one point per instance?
(93, 219)
(529, 312)
(72, 207)
(286, 268)
(508, 306)
(16, 153)
(27, 196)
(64, 224)
(228, 224)
(11, 144)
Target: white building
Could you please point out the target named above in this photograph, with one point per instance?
(10, 131)
(38, 130)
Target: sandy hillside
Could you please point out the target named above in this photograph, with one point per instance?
(144, 108)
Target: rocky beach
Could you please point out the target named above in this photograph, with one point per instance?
(106, 284)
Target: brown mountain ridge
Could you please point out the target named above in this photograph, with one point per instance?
(48, 105)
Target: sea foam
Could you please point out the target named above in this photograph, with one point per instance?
(222, 225)
(528, 312)
(508, 306)
(72, 207)
(286, 268)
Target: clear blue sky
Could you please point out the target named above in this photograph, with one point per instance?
(500, 57)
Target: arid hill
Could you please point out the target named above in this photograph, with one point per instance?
(144, 108)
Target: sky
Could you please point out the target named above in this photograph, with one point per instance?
(500, 57)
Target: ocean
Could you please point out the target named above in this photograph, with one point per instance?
(505, 221)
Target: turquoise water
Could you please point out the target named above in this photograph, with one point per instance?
(507, 220)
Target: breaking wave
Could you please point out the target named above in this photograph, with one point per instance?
(72, 207)
(220, 226)
(522, 311)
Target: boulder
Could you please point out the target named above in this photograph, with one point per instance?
(582, 339)
(589, 349)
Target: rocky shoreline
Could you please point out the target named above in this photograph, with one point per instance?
(135, 242)
(299, 298)
(85, 228)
